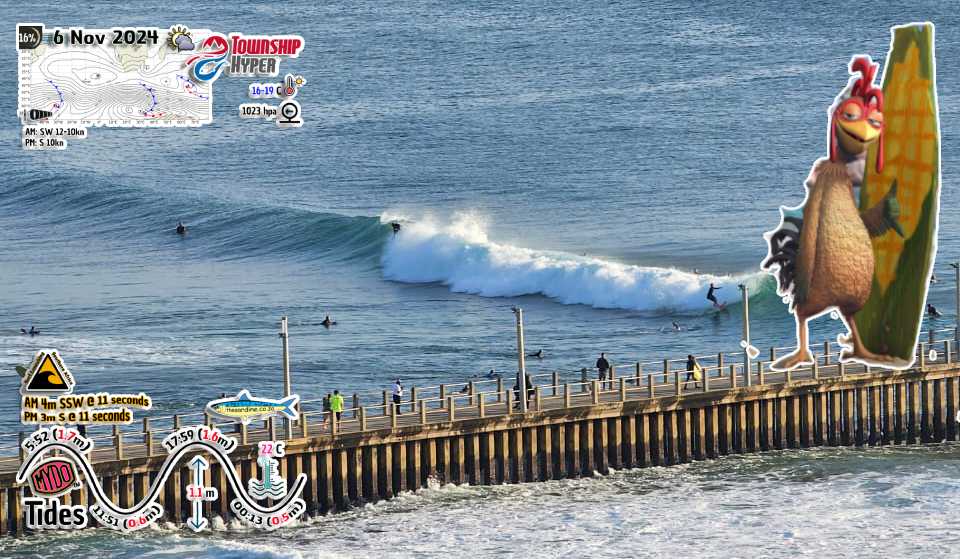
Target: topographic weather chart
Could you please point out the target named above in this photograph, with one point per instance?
(73, 78)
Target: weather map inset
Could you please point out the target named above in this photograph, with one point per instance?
(103, 83)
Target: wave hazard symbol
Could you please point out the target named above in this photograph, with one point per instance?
(47, 375)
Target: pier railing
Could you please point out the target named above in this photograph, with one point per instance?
(482, 397)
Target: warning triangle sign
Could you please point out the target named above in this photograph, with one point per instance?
(47, 375)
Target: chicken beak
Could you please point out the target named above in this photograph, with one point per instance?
(855, 136)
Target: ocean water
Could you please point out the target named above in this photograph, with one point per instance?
(580, 160)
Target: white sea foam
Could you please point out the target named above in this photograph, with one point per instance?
(459, 253)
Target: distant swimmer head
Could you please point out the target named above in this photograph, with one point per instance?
(181, 228)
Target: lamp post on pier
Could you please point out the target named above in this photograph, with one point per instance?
(745, 291)
(956, 285)
(287, 388)
(521, 363)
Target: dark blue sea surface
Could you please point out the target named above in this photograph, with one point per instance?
(578, 159)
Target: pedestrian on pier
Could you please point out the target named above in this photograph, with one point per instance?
(336, 404)
(602, 367)
(397, 395)
(326, 408)
(694, 371)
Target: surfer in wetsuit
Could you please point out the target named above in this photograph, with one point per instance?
(327, 323)
(538, 354)
(181, 228)
(932, 311)
(711, 296)
(34, 331)
(396, 227)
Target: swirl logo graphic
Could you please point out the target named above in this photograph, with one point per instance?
(207, 65)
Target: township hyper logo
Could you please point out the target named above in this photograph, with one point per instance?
(206, 66)
(241, 55)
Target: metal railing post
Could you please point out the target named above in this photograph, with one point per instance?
(650, 390)
(555, 379)
(676, 380)
(733, 375)
(305, 423)
(623, 389)
(147, 439)
(596, 391)
(413, 398)
(118, 441)
(423, 412)
(451, 408)
(537, 398)
(566, 395)
(363, 421)
(482, 405)
(499, 389)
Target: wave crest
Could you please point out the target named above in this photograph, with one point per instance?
(460, 254)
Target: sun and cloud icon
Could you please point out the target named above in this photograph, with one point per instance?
(180, 39)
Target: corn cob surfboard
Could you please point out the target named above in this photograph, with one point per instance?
(890, 321)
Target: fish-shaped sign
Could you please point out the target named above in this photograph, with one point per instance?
(247, 408)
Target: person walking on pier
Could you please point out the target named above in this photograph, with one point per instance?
(326, 409)
(336, 404)
(694, 372)
(602, 367)
(397, 395)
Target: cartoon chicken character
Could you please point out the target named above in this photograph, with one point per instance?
(821, 253)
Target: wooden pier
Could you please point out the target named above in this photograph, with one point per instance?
(646, 414)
